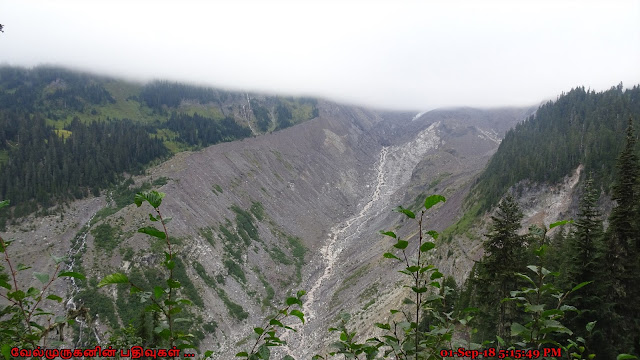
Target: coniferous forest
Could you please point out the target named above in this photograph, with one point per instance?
(598, 130)
(64, 135)
(580, 127)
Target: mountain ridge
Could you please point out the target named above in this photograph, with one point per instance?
(327, 162)
(299, 208)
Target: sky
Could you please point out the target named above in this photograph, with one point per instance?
(405, 55)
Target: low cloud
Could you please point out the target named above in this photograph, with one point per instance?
(400, 55)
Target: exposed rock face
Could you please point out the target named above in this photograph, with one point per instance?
(332, 182)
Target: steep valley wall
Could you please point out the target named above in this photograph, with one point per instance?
(328, 184)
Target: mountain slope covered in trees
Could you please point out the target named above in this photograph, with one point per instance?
(64, 134)
(600, 250)
(580, 127)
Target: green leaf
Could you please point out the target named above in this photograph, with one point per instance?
(158, 291)
(153, 308)
(152, 218)
(6, 348)
(116, 278)
(153, 197)
(388, 233)
(264, 352)
(299, 314)
(550, 312)
(413, 268)
(138, 199)
(258, 330)
(401, 244)
(4, 203)
(58, 259)
(5, 284)
(579, 286)
(426, 268)
(175, 310)
(242, 354)
(43, 278)
(560, 223)
(432, 200)
(523, 276)
(436, 275)
(173, 284)
(540, 251)
(293, 300)
(427, 246)
(150, 230)
(533, 268)
(407, 212)
(17, 295)
(625, 357)
(134, 290)
(208, 353)
(185, 302)
(54, 297)
(288, 357)
(390, 256)
(434, 234)
(22, 267)
(517, 329)
(275, 322)
(72, 274)
(534, 308)
(568, 308)
(590, 326)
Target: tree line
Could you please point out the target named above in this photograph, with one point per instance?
(46, 166)
(608, 258)
(198, 130)
(580, 127)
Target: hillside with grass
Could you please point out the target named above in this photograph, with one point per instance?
(65, 134)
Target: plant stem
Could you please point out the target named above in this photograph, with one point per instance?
(15, 284)
(418, 282)
(168, 314)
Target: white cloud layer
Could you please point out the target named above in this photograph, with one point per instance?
(386, 54)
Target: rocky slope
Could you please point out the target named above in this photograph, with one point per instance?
(327, 185)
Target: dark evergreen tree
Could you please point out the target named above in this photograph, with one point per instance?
(505, 254)
(283, 116)
(622, 253)
(584, 263)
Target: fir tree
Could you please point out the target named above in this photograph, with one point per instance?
(584, 263)
(495, 273)
(622, 287)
